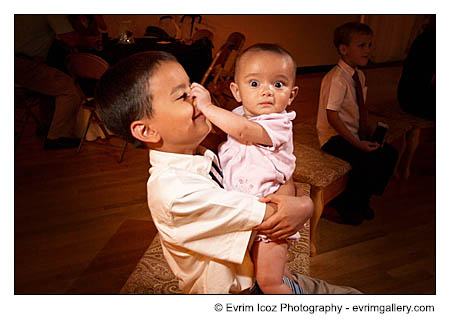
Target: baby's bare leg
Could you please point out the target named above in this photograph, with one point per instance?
(270, 259)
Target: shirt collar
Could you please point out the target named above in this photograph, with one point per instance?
(200, 163)
(347, 68)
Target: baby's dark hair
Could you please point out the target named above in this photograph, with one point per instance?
(123, 93)
(265, 47)
(343, 33)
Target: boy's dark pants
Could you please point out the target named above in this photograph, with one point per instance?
(369, 175)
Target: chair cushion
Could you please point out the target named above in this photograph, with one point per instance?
(314, 166)
(305, 133)
(399, 122)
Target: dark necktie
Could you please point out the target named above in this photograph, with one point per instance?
(216, 174)
(362, 109)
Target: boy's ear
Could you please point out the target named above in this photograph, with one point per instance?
(144, 131)
(235, 91)
(293, 94)
(343, 49)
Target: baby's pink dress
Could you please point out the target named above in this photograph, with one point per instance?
(257, 169)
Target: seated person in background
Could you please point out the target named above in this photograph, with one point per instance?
(417, 86)
(204, 230)
(33, 37)
(86, 37)
(342, 125)
(88, 25)
(258, 155)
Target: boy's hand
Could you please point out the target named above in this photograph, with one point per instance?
(367, 146)
(200, 96)
(291, 215)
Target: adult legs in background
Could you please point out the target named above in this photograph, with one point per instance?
(39, 77)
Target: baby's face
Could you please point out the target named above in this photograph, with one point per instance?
(264, 83)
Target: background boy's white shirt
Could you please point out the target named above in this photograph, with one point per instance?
(338, 93)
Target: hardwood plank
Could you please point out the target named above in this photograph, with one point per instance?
(112, 266)
(395, 252)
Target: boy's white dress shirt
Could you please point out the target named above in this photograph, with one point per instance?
(204, 229)
(337, 93)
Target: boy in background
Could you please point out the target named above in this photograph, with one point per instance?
(343, 128)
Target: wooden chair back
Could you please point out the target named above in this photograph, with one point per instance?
(86, 66)
(218, 76)
(219, 70)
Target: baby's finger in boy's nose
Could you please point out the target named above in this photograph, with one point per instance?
(196, 85)
(191, 97)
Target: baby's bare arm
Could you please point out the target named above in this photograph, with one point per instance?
(237, 126)
(288, 188)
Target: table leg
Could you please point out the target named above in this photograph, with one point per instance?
(412, 141)
(401, 151)
(318, 200)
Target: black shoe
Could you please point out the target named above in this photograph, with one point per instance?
(338, 203)
(352, 217)
(61, 143)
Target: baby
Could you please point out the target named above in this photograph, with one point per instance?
(258, 156)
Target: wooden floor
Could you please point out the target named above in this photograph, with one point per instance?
(81, 224)
(81, 220)
(395, 252)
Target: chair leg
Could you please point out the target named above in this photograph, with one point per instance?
(123, 151)
(317, 198)
(37, 121)
(412, 141)
(22, 129)
(85, 131)
(100, 124)
(396, 173)
(215, 100)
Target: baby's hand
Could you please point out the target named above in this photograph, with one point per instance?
(200, 96)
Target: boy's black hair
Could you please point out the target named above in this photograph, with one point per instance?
(123, 93)
(343, 33)
(266, 47)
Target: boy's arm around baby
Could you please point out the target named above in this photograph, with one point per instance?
(289, 217)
